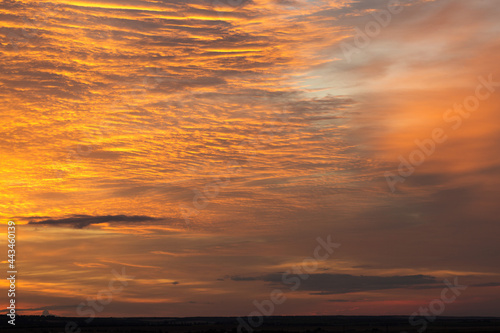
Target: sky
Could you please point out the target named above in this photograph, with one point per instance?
(204, 146)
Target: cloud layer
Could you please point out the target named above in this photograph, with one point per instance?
(194, 141)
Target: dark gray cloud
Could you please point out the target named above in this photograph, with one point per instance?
(330, 284)
(81, 221)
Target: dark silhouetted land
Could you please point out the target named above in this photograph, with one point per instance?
(34, 324)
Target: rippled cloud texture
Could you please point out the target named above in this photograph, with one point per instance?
(205, 145)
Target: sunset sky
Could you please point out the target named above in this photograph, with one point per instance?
(204, 145)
